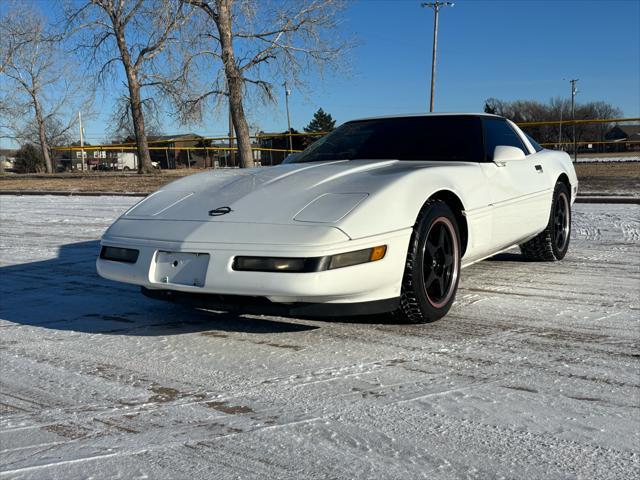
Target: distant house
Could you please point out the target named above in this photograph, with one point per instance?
(174, 151)
(275, 146)
(624, 134)
(191, 150)
(73, 159)
(221, 155)
(7, 153)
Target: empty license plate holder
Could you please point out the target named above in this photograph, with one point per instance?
(181, 268)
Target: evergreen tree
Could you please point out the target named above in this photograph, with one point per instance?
(29, 159)
(322, 122)
(489, 107)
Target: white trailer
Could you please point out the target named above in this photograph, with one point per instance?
(125, 161)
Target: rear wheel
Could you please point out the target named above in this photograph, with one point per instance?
(552, 244)
(433, 266)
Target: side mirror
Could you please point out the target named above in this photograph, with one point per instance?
(503, 154)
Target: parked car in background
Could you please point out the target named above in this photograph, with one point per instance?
(7, 164)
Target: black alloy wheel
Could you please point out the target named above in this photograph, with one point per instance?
(553, 242)
(432, 269)
(439, 264)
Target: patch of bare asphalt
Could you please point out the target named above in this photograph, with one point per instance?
(70, 431)
(521, 389)
(296, 348)
(163, 394)
(224, 407)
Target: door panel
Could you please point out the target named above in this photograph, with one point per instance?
(519, 188)
(520, 196)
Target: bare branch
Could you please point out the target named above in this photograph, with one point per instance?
(41, 95)
(152, 50)
(137, 34)
(257, 43)
(205, 7)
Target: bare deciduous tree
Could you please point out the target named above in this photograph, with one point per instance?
(13, 37)
(40, 96)
(258, 43)
(137, 35)
(121, 124)
(557, 109)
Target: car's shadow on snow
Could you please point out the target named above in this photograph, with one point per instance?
(508, 257)
(66, 293)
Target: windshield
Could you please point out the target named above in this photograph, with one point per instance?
(450, 138)
(536, 146)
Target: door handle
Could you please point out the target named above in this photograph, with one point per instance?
(539, 168)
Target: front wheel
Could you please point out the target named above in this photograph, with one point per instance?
(432, 269)
(552, 243)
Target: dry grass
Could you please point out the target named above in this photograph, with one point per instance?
(617, 177)
(93, 182)
(612, 169)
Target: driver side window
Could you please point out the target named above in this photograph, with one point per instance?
(498, 132)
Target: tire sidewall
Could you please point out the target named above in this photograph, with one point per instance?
(560, 188)
(437, 210)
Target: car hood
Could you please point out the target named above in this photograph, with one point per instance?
(269, 195)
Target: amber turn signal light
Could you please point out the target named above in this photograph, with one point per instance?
(377, 253)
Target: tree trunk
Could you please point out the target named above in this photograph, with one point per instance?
(144, 158)
(135, 102)
(42, 136)
(234, 83)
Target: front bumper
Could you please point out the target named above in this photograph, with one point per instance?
(263, 306)
(380, 280)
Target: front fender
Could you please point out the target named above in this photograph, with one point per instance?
(396, 205)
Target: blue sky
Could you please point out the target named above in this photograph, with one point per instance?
(509, 49)
(506, 49)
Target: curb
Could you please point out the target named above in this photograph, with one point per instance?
(603, 199)
(65, 193)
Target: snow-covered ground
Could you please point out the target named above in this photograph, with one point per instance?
(534, 373)
(606, 158)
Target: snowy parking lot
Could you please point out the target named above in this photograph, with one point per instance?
(533, 374)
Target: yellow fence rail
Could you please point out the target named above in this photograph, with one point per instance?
(130, 146)
(203, 139)
(118, 148)
(612, 142)
(578, 121)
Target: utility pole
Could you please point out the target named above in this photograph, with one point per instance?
(574, 91)
(436, 8)
(81, 139)
(287, 92)
(560, 131)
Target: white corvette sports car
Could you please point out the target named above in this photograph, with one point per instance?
(378, 216)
